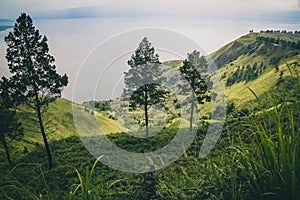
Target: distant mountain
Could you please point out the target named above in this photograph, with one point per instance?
(78, 12)
(4, 27)
(6, 24)
(6, 21)
(87, 12)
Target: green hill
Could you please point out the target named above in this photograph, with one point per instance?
(250, 50)
(59, 125)
(258, 47)
(256, 61)
(230, 171)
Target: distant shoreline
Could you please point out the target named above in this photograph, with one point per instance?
(5, 27)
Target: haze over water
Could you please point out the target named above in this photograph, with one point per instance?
(71, 40)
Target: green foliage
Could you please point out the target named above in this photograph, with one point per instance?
(149, 186)
(244, 112)
(10, 127)
(99, 105)
(194, 71)
(143, 80)
(31, 65)
(88, 189)
(34, 79)
(284, 43)
(264, 158)
(230, 108)
(244, 74)
(258, 47)
(236, 49)
(257, 156)
(85, 183)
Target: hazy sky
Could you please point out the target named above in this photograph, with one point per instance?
(210, 23)
(12, 8)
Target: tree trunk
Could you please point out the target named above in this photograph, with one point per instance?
(192, 111)
(39, 115)
(146, 111)
(6, 150)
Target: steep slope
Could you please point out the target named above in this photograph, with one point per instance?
(257, 61)
(255, 50)
(69, 152)
(258, 47)
(59, 124)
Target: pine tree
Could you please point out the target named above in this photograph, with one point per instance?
(143, 80)
(34, 78)
(194, 71)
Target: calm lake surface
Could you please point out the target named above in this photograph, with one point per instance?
(72, 40)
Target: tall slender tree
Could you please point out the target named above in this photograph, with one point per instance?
(143, 80)
(194, 71)
(34, 78)
(9, 125)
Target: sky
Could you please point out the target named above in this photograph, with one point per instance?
(76, 27)
(12, 8)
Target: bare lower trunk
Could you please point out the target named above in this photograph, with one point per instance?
(192, 112)
(146, 111)
(39, 115)
(6, 150)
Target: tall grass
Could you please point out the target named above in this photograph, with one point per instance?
(270, 158)
(262, 159)
(85, 183)
(87, 190)
(11, 188)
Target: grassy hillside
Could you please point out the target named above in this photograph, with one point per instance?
(256, 61)
(59, 116)
(59, 125)
(257, 47)
(230, 171)
(256, 157)
(243, 97)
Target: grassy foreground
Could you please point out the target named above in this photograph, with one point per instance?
(257, 157)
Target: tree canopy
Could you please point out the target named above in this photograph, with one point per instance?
(34, 79)
(194, 71)
(143, 80)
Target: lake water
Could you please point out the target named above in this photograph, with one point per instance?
(71, 41)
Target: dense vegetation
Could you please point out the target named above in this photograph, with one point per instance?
(247, 74)
(256, 157)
